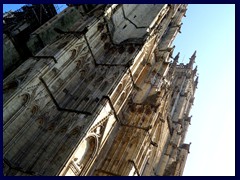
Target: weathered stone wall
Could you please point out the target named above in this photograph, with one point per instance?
(10, 55)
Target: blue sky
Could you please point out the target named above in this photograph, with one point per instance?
(209, 29)
(8, 7)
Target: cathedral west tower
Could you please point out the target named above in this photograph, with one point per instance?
(106, 97)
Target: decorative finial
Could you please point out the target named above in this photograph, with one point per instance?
(196, 81)
(176, 57)
(192, 60)
(195, 71)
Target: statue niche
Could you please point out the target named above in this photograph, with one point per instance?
(82, 157)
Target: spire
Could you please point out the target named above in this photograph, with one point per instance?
(192, 60)
(194, 72)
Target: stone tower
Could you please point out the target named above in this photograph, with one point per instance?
(104, 98)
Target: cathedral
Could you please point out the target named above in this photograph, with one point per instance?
(103, 97)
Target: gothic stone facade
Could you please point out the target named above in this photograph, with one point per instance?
(104, 99)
